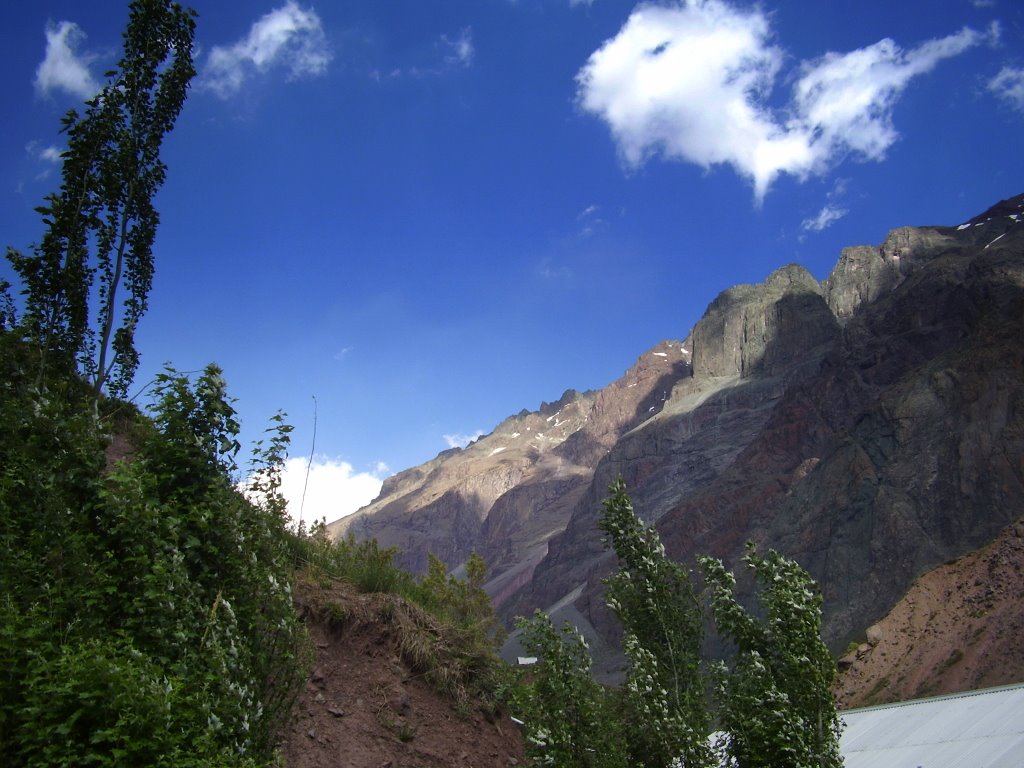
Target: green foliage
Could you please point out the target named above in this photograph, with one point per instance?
(775, 706)
(101, 225)
(776, 702)
(8, 314)
(661, 617)
(569, 719)
(145, 608)
(461, 602)
(363, 564)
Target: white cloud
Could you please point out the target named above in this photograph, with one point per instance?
(831, 212)
(845, 101)
(461, 48)
(63, 68)
(590, 221)
(1009, 86)
(288, 37)
(50, 154)
(691, 81)
(334, 488)
(827, 216)
(459, 440)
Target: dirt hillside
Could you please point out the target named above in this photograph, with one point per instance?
(959, 628)
(364, 705)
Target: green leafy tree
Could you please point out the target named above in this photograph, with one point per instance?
(776, 709)
(462, 601)
(101, 224)
(145, 609)
(568, 718)
(661, 616)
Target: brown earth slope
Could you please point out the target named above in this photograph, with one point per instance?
(959, 628)
(366, 706)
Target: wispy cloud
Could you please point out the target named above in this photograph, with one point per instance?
(334, 488)
(460, 49)
(1008, 85)
(460, 440)
(590, 221)
(547, 269)
(289, 37)
(827, 216)
(449, 54)
(691, 80)
(831, 212)
(49, 156)
(63, 68)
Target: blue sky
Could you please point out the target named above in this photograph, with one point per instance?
(430, 215)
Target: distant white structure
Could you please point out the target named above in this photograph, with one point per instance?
(976, 729)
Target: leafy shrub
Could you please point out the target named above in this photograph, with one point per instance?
(569, 720)
(149, 605)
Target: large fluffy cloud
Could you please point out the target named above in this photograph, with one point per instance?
(63, 68)
(288, 37)
(692, 81)
(334, 489)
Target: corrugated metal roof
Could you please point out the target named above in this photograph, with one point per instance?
(977, 729)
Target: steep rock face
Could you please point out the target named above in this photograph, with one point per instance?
(751, 342)
(864, 273)
(752, 329)
(916, 431)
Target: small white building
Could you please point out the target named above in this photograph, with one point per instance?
(975, 729)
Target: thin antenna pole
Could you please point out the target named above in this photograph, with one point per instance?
(309, 465)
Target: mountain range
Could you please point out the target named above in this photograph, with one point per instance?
(870, 425)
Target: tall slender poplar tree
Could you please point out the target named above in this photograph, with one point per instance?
(100, 226)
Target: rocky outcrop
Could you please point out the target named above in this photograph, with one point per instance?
(865, 273)
(761, 329)
(752, 341)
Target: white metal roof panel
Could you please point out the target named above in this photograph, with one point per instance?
(977, 729)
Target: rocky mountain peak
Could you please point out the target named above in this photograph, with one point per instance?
(759, 328)
(864, 273)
